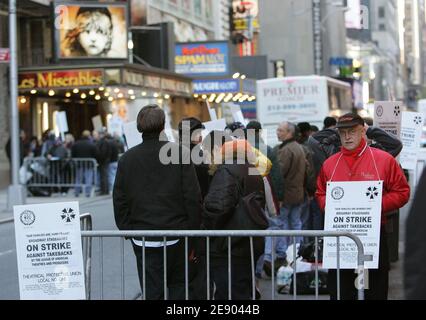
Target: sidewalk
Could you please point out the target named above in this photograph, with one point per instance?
(5, 214)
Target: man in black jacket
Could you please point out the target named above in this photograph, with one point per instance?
(151, 195)
(415, 249)
(84, 148)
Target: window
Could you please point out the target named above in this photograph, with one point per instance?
(382, 12)
(382, 27)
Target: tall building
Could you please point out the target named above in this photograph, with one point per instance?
(287, 33)
(375, 43)
(414, 21)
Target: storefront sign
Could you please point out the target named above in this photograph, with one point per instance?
(153, 82)
(411, 133)
(353, 207)
(202, 59)
(216, 86)
(49, 252)
(133, 78)
(184, 87)
(168, 84)
(388, 115)
(61, 79)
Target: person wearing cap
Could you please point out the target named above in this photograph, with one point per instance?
(359, 162)
(190, 136)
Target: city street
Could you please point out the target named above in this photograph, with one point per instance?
(103, 219)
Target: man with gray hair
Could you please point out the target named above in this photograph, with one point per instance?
(292, 163)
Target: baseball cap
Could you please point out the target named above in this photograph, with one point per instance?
(254, 125)
(349, 120)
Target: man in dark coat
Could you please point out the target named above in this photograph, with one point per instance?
(415, 249)
(84, 148)
(150, 193)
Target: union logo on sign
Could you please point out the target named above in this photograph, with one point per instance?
(379, 111)
(337, 193)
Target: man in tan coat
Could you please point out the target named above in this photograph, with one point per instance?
(292, 162)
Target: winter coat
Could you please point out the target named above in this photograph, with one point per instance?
(396, 191)
(415, 249)
(84, 148)
(293, 165)
(150, 195)
(221, 202)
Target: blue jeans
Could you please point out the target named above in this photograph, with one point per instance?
(112, 171)
(305, 215)
(289, 219)
(86, 175)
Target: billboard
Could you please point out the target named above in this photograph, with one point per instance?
(87, 30)
(202, 59)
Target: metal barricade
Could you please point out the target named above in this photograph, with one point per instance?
(41, 175)
(86, 225)
(361, 257)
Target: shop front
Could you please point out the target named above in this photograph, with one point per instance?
(109, 90)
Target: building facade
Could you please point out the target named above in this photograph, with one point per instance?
(287, 33)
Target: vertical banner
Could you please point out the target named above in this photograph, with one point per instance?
(353, 207)
(49, 252)
(411, 133)
(388, 115)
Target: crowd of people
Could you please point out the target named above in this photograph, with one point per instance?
(59, 152)
(213, 195)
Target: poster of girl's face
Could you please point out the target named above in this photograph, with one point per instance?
(91, 31)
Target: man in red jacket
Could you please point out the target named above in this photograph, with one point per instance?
(359, 162)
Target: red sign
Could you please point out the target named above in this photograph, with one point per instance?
(4, 55)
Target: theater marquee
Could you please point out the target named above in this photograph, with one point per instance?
(61, 79)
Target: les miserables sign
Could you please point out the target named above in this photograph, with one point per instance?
(61, 79)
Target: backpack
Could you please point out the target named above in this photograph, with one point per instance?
(249, 214)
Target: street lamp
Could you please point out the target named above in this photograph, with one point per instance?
(16, 192)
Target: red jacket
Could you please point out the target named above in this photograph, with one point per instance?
(396, 191)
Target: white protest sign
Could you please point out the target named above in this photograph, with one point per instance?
(212, 112)
(237, 114)
(353, 207)
(133, 136)
(97, 123)
(411, 133)
(49, 252)
(115, 126)
(388, 115)
(170, 136)
(61, 121)
(210, 126)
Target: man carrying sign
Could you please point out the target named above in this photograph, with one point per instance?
(359, 162)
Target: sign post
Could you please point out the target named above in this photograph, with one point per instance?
(49, 252)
